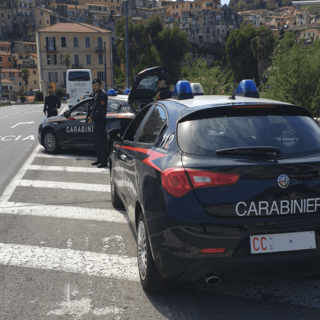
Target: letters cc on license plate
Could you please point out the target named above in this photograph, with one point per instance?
(282, 242)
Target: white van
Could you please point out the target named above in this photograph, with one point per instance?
(79, 82)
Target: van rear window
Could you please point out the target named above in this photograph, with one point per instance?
(79, 76)
(295, 135)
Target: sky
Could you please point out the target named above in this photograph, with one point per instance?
(223, 2)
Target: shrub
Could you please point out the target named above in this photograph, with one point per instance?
(22, 98)
(39, 96)
(59, 93)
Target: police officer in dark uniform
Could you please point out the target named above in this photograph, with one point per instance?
(98, 115)
(51, 104)
(164, 92)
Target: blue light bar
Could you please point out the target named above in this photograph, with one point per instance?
(127, 91)
(182, 90)
(247, 88)
(111, 92)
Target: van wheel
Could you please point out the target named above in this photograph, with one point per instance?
(150, 278)
(50, 142)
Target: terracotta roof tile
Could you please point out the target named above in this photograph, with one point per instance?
(72, 27)
(9, 70)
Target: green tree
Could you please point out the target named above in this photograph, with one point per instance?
(119, 77)
(240, 56)
(25, 77)
(262, 48)
(66, 59)
(152, 45)
(294, 77)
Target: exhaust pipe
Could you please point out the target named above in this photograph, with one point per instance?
(211, 279)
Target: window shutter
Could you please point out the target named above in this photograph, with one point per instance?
(48, 59)
(54, 43)
(55, 58)
(47, 43)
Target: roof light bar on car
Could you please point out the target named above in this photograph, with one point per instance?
(112, 92)
(247, 88)
(182, 90)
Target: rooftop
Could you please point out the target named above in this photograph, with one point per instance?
(72, 27)
(9, 70)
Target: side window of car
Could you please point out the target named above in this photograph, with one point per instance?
(135, 124)
(81, 109)
(152, 128)
(113, 106)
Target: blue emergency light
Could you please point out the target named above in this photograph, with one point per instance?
(127, 91)
(111, 92)
(182, 90)
(247, 88)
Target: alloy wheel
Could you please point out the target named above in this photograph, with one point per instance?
(142, 250)
(50, 142)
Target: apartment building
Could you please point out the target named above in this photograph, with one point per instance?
(43, 18)
(29, 61)
(6, 19)
(11, 82)
(84, 44)
(5, 55)
(25, 46)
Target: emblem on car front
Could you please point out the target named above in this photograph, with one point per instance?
(283, 181)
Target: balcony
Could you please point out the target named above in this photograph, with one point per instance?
(99, 49)
(77, 66)
(31, 65)
(51, 49)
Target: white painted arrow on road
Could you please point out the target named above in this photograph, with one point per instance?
(22, 123)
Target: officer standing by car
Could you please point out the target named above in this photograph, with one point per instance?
(51, 104)
(98, 115)
(164, 92)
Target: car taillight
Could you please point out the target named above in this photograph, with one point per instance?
(203, 179)
(175, 182)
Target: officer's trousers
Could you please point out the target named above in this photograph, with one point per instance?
(51, 113)
(100, 142)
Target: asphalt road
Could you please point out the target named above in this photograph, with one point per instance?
(65, 253)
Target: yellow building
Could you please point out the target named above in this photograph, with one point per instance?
(115, 5)
(43, 17)
(12, 83)
(28, 61)
(84, 43)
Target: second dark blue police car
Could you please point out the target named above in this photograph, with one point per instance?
(225, 189)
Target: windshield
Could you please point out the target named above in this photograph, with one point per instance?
(149, 83)
(79, 76)
(294, 135)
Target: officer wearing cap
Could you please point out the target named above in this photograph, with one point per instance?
(51, 104)
(164, 92)
(98, 115)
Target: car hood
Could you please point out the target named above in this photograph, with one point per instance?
(55, 118)
(145, 85)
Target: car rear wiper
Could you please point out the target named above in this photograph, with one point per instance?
(263, 151)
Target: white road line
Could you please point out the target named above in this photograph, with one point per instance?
(64, 109)
(68, 169)
(16, 180)
(74, 261)
(65, 156)
(64, 185)
(65, 212)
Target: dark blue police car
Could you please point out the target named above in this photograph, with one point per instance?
(70, 129)
(222, 188)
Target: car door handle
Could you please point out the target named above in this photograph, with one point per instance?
(123, 157)
(82, 121)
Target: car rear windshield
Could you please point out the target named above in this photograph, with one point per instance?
(203, 133)
(79, 76)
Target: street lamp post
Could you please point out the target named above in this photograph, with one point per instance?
(127, 44)
(0, 87)
(105, 66)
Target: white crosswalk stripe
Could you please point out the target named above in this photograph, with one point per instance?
(68, 169)
(64, 156)
(65, 212)
(64, 185)
(75, 261)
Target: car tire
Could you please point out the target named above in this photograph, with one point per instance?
(50, 142)
(150, 278)
(115, 199)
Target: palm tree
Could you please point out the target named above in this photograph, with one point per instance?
(262, 48)
(25, 77)
(66, 59)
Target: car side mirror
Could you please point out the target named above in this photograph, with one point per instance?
(66, 114)
(114, 135)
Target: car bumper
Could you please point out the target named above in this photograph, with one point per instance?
(176, 250)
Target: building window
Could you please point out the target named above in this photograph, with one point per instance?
(76, 61)
(51, 59)
(20, 83)
(88, 58)
(100, 56)
(100, 75)
(53, 76)
(63, 42)
(0, 59)
(40, 12)
(100, 47)
(64, 78)
(75, 42)
(39, 21)
(34, 72)
(35, 82)
(51, 43)
(9, 59)
(87, 42)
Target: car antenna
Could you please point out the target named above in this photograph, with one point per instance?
(233, 97)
